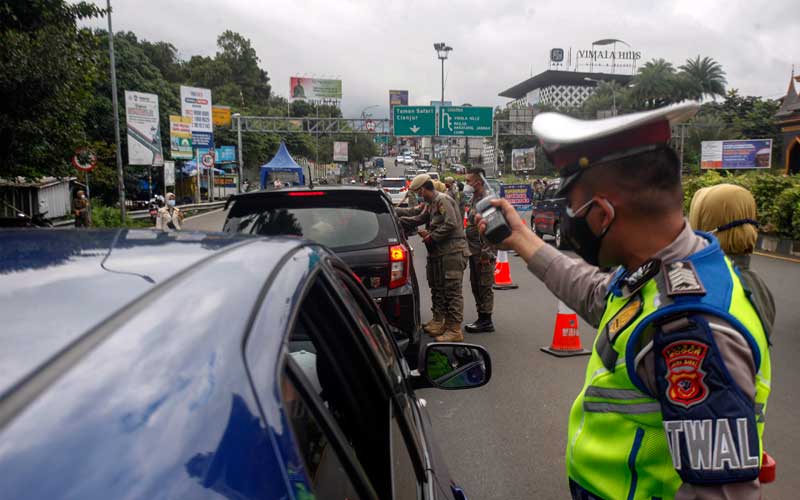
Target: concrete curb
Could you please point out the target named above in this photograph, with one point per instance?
(780, 246)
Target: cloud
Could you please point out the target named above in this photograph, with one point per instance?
(377, 45)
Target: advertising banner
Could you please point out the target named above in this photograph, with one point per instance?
(739, 154)
(523, 159)
(226, 154)
(519, 195)
(180, 137)
(144, 136)
(169, 173)
(221, 116)
(398, 98)
(196, 104)
(340, 151)
(301, 89)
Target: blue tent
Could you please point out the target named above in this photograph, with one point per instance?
(282, 166)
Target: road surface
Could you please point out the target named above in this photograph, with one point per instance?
(506, 440)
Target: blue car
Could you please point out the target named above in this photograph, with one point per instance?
(138, 364)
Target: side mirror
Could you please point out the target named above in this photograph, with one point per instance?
(451, 365)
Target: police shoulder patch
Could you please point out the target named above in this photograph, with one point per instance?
(682, 279)
(442, 208)
(685, 376)
(624, 317)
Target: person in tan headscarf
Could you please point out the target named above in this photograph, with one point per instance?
(729, 212)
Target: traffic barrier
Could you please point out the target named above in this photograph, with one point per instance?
(502, 273)
(566, 338)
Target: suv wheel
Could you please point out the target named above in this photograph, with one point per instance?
(560, 243)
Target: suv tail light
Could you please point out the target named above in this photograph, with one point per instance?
(306, 193)
(398, 262)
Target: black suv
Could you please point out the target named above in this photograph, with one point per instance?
(360, 226)
(547, 210)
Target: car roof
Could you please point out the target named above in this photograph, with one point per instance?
(81, 279)
(163, 372)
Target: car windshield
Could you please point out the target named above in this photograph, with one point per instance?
(329, 219)
(393, 183)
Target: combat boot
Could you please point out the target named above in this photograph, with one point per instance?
(435, 328)
(482, 325)
(437, 318)
(451, 334)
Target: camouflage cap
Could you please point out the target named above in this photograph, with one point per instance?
(419, 181)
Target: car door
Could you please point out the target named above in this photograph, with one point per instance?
(408, 448)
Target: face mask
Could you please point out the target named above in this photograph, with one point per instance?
(171, 203)
(468, 189)
(83, 196)
(577, 231)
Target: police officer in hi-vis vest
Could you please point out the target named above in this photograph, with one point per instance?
(676, 388)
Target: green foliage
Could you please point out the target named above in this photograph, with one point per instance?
(707, 74)
(777, 197)
(109, 217)
(46, 76)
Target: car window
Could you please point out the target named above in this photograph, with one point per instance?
(393, 183)
(405, 484)
(370, 321)
(332, 220)
(324, 345)
(328, 476)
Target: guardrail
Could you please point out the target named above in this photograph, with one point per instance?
(144, 214)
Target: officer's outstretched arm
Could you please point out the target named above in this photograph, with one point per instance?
(581, 286)
(705, 384)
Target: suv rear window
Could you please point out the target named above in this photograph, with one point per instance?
(336, 220)
(393, 183)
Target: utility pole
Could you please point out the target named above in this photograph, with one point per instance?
(238, 117)
(120, 178)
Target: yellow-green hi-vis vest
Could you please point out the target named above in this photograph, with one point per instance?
(627, 443)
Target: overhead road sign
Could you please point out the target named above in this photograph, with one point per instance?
(414, 121)
(466, 121)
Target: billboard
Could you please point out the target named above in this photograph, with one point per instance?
(519, 195)
(144, 136)
(169, 173)
(740, 154)
(340, 151)
(221, 116)
(301, 89)
(226, 154)
(398, 98)
(196, 104)
(180, 137)
(523, 159)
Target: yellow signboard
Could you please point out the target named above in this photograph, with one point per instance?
(221, 116)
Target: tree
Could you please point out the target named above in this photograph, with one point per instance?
(707, 74)
(236, 52)
(46, 76)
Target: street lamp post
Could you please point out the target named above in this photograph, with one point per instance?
(238, 117)
(442, 51)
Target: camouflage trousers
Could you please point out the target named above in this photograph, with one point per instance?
(481, 279)
(445, 278)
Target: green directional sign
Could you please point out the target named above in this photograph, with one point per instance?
(466, 121)
(412, 121)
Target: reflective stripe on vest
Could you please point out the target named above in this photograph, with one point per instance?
(617, 446)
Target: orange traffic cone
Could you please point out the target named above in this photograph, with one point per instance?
(466, 212)
(566, 339)
(502, 273)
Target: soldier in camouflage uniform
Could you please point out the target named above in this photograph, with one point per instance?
(416, 215)
(447, 250)
(481, 259)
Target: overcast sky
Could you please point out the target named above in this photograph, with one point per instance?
(378, 45)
